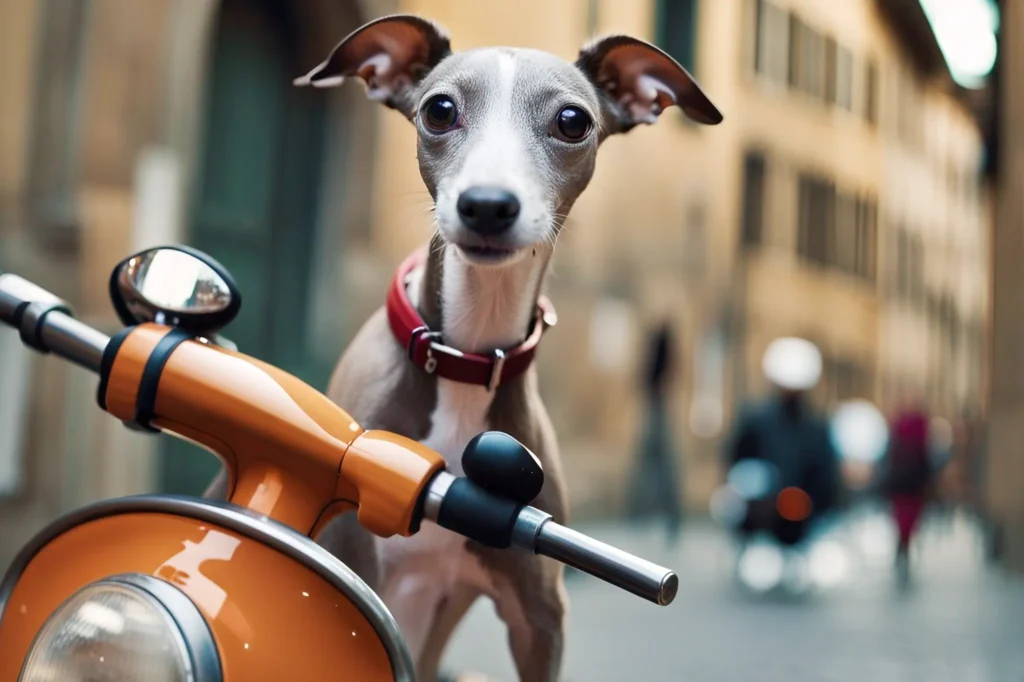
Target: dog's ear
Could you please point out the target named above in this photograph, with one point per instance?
(637, 81)
(390, 55)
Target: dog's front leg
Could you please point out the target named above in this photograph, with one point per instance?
(427, 611)
(531, 601)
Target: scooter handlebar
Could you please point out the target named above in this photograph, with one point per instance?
(46, 323)
(622, 569)
(461, 506)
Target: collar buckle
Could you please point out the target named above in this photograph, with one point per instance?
(497, 365)
(417, 335)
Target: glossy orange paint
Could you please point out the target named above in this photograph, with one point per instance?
(272, 618)
(335, 508)
(389, 472)
(283, 441)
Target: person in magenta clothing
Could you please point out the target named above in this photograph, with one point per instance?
(908, 477)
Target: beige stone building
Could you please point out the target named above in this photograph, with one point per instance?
(936, 211)
(124, 125)
(1004, 465)
(129, 124)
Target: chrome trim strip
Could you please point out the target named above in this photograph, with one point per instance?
(202, 650)
(275, 535)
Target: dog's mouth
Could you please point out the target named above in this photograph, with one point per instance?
(486, 255)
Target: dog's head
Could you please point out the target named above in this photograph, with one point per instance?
(508, 137)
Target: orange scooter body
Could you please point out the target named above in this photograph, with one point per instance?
(295, 456)
(238, 591)
(271, 617)
(279, 608)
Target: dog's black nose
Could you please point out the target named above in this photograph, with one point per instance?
(488, 211)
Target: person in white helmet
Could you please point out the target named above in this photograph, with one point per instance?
(788, 433)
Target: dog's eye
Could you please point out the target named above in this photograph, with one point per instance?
(572, 124)
(439, 113)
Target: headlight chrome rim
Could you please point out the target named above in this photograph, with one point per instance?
(192, 635)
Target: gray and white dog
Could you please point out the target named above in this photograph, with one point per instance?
(507, 141)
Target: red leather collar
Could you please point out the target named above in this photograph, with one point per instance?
(426, 349)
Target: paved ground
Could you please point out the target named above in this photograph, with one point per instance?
(959, 621)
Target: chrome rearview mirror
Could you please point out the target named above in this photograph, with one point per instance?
(176, 286)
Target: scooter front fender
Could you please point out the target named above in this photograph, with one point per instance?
(278, 606)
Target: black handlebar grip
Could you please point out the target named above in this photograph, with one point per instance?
(500, 464)
(471, 511)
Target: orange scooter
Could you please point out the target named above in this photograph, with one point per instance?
(172, 589)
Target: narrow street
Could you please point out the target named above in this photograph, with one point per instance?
(959, 621)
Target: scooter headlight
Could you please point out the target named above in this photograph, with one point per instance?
(130, 628)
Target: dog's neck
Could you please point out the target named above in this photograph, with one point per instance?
(477, 309)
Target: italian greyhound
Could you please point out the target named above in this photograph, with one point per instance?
(507, 141)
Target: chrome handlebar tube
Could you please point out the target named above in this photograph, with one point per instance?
(459, 505)
(46, 323)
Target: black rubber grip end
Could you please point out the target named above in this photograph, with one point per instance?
(471, 511)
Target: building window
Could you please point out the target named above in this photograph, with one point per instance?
(753, 199)
(843, 75)
(831, 47)
(846, 232)
(871, 92)
(816, 220)
(866, 238)
(790, 52)
(836, 228)
(676, 30)
(838, 75)
(795, 34)
(771, 53)
(807, 59)
(53, 157)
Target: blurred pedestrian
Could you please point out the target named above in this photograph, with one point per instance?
(793, 438)
(908, 477)
(656, 485)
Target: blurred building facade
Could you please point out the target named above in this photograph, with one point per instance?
(125, 125)
(936, 207)
(840, 201)
(1004, 466)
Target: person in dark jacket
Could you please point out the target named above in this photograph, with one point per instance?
(656, 484)
(786, 432)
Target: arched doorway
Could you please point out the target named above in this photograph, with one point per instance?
(255, 198)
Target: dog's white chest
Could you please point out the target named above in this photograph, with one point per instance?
(435, 553)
